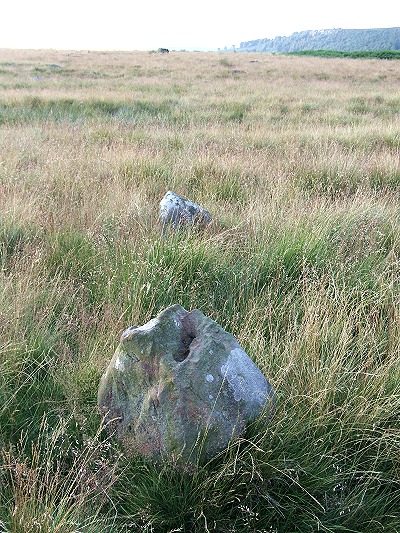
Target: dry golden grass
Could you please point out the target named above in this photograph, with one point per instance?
(278, 121)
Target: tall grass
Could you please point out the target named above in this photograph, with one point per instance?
(300, 264)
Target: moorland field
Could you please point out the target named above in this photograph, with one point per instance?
(298, 160)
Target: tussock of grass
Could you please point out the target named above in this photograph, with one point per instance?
(36, 109)
(300, 263)
(54, 485)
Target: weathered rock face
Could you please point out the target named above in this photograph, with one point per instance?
(180, 386)
(177, 211)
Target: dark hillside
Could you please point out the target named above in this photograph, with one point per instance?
(335, 39)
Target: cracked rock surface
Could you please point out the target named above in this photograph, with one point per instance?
(180, 386)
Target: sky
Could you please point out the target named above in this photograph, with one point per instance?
(178, 24)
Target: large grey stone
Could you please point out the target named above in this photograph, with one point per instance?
(180, 386)
(178, 211)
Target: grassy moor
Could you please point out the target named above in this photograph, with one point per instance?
(298, 161)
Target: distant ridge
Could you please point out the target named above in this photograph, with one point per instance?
(334, 39)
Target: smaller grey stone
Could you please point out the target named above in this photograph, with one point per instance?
(178, 211)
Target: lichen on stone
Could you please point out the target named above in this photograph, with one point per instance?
(179, 377)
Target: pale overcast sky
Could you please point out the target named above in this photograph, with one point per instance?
(178, 24)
